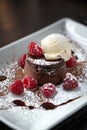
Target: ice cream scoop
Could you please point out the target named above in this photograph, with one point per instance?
(56, 46)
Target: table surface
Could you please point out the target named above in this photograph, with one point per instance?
(19, 18)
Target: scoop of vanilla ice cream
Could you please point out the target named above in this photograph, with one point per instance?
(56, 46)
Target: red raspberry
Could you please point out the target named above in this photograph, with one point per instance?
(21, 60)
(48, 90)
(71, 62)
(34, 50)
(70, 82)
(30, 83)
(16, 87)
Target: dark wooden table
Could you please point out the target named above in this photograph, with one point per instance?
(19, 18)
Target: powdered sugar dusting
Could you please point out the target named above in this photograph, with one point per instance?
(13, 71)
(35, 98)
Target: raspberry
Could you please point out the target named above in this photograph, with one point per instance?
(21, 60)
(16, 87)
(48, 90)
(30, 83)
(71, 62)
(70, 82)
(34, 50)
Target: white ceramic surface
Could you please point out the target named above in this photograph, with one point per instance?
(22, 119)
(77, 31)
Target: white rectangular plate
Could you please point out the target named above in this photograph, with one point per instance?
(22, 119)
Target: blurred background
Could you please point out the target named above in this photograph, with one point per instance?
(19, 18)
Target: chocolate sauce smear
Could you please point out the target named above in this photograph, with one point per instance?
(2, 77)
(50, 106)
(18, 103)
(21, 103)
(45, 105)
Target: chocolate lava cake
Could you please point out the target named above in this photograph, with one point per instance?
(45, 71)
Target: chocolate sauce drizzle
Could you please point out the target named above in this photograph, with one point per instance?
(21, 103)
(45, 105)
(2, 77)
(49, 106)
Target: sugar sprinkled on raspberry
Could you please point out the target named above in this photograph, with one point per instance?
(70, 82)
(16, 87)
(21, 60)
(34, 50)
(48, 90)
(30, 83)
(71, 62)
